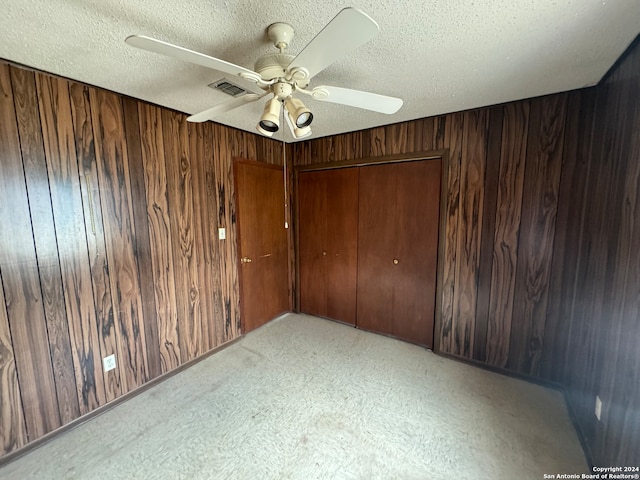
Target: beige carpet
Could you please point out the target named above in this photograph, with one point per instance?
(306, 398)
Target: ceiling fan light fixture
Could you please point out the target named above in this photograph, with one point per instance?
(263, 131)
(270, 119)
(301, 115)
(296, 131)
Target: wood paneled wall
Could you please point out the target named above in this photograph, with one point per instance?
(595, 309)
(109, 217)
(504, 174)
(541, 258)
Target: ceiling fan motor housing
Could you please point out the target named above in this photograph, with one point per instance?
(273, 65)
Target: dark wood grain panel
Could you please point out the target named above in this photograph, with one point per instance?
(472, 177)
(575, 168)
(214, 248)
(160, 238)
(440, 139)
(507, 227)
(487, 235)
(180, 191)
(377, 142)
(453, 137)
(113, 171)
(201, 231)
(141, 240)
(615, 325)
(537, 231)
(397, 139)
(302, 153)
(20, 279)
(13, 434)
(94, 228)
(66, 201)
(37, 182)
(424, 133)
(350, 146)
(590, 298)
(227, 218)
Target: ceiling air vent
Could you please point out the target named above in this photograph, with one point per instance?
(228, 87)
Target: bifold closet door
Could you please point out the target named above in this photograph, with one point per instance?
(399, 206)
(328, 241)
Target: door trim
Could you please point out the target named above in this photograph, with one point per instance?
(361, 162)
(443, 156)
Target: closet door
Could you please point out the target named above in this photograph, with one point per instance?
(397, 249)
(341, 259)
(312, 213)
(328, 233)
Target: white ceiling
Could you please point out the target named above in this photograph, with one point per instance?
(439, 56)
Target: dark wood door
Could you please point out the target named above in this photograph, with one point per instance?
(328, 233)
(397, 249)
(312, 213)
(263, 243)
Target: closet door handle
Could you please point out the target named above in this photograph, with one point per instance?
(245, 260)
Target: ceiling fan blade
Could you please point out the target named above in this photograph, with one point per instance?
(349, 29)
(357, 98)
(186, 55)
(211, 113)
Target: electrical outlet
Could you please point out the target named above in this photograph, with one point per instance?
(598, 407)
(222, 234)
(109, 363)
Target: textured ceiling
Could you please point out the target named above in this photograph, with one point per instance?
(439, 56)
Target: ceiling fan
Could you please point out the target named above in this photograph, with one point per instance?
(282, 74)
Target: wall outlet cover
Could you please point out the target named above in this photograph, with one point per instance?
(222, 234)
(109, 363)
(598, 408)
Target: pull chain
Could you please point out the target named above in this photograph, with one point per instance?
(284, 161)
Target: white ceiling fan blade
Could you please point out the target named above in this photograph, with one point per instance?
(211, 113)
(347, 31)
(357, 98)
(186, 55)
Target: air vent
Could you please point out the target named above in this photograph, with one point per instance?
(228, 87)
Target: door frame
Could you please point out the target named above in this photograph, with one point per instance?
(443, 156)
(237, 161)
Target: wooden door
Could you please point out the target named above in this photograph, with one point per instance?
(263, 243)
(376, 248)
(328, 233)
(397, 249)
(342, 243)
(312, 234)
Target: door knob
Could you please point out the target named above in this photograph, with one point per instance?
(396, 261)
(324, 254)
(245, 260)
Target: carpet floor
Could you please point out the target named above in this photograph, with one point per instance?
(307, 398)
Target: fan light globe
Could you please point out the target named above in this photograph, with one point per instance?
(301, 115)
(270, 119)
